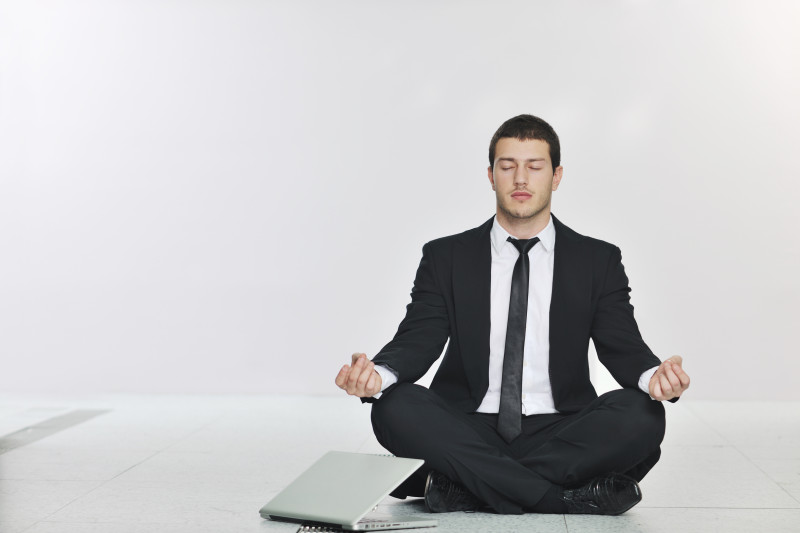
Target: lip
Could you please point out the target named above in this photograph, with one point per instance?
(521, 195)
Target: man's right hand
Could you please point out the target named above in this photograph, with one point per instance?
(359, 378)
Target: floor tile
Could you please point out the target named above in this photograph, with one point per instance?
(685, 428)
(711, 476)
(322, 423)
(16, 418)
(152, 502)
(120, 433)
(780, 463)
(32, 500)
(479, 522)
(67, 464)
(215, 475)
(752, 423)
(16, 526)
(224, 522)
(706, 520)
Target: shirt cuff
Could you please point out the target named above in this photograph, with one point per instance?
(388, 378)
(644, 380)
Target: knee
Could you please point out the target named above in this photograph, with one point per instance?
(398, 416)
(652, 419)
(397, 407)
(644, 415)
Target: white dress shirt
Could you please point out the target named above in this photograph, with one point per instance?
(537, 396)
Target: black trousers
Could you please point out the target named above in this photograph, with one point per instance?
(620, 431)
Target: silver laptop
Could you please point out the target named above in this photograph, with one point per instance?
(341, 488)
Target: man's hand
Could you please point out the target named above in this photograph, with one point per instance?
(359, 378)
(670, 380)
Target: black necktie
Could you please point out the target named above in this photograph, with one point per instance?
(509, 419)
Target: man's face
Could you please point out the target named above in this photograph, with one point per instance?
(523, 178)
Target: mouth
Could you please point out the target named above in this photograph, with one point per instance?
(521, 195)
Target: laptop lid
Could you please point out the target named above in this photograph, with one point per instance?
(341, 487)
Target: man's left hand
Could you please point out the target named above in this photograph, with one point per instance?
(670, 380)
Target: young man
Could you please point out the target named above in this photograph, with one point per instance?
(511, 421)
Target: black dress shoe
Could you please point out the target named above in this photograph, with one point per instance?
(610, 494)
(443, 495)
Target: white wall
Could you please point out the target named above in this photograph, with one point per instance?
(231, 196)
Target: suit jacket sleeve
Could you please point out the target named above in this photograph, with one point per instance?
(616, 336)
(425, 329)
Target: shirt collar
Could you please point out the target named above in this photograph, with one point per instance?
(499, 236)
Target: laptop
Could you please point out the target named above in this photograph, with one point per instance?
(341, 488)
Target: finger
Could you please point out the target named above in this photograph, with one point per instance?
(658, 394)
(677, 359)
(673, 378)
(372, 387)
(352, 378)
(683, 376)
(358, 365)
(356, 356)
(665, 386)
(341, 377)
(361, 383)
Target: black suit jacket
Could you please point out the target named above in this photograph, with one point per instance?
(451, 297)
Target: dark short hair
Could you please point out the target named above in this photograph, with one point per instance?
(525, 128)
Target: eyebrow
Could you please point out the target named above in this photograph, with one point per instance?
(514, 160)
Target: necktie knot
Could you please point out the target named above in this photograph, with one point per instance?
(523, 245)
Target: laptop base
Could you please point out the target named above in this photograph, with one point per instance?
(370, 523)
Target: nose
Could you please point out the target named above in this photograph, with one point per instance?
(521, 175)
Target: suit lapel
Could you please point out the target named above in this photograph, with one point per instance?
(571, 289)
(472, 273)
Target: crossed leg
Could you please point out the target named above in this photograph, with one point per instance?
(618, 432)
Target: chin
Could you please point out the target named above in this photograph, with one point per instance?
(523, 214)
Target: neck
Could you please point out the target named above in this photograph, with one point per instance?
(524, 228)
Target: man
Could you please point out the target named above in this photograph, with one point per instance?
(511, 420)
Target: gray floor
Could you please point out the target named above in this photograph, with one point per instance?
(196, 464)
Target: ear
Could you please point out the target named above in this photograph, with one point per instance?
(557, 176)
(491, 176)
